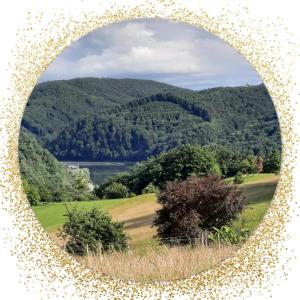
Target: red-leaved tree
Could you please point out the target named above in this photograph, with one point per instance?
(195, 204)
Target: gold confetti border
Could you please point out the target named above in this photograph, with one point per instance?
(54, 274)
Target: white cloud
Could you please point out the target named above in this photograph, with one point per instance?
(153, 49)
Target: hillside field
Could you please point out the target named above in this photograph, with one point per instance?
(138, 212)
(146, 259)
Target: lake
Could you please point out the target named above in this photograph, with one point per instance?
(99, 171)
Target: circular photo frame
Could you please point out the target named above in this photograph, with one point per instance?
(52, 273)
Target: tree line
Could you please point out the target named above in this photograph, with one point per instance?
(158, 123)
(183, 162)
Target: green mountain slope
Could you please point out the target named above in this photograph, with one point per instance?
(241, 118)
(127, 119)
(54, 104)
(40, 168)
(44, 177)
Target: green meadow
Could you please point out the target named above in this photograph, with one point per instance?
(138, 212)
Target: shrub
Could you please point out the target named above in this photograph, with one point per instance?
(248, 165)
(176, 164)
(119, 178)
(228, 235)
(228, 159)
(150, 188)
(115, 190)
(32, 193)
(131, 195)
(238, 178)
(91, 232)
(195, 204)
(272, 163)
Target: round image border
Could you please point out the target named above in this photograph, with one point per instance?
(55, 274)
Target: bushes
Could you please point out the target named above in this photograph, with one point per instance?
(115, 190)
(228, 235)
(121, 178)
(91, 232)
(150, 188)
(238, 178)
(32, 193)
(45, 179)
(195, 204)
(272, 163)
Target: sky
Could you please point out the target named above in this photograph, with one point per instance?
(156, 49)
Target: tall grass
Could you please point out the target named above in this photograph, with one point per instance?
(158, 264)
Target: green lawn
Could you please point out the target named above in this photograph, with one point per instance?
(51, 215)
(259, 194)
(254, 178)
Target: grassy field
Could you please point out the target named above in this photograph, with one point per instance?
(138, 212)
(146, 259)
(259, 191)
(51, 215)
(255, 178)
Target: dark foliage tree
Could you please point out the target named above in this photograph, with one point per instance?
(195, 204)
(272, 163)
(90, 232)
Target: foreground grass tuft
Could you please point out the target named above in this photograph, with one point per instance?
(160, 263)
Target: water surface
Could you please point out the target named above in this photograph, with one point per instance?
(99, 171)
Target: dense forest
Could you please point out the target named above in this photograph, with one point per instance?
(125, 119)
(54, 104)
(45, 179)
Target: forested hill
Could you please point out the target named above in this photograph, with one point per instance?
(54, 104)
(133, 119)
(45, 179)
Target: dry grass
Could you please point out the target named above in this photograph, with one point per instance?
(158, 264)
(138, 214)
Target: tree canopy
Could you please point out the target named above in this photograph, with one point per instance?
(45, 179)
